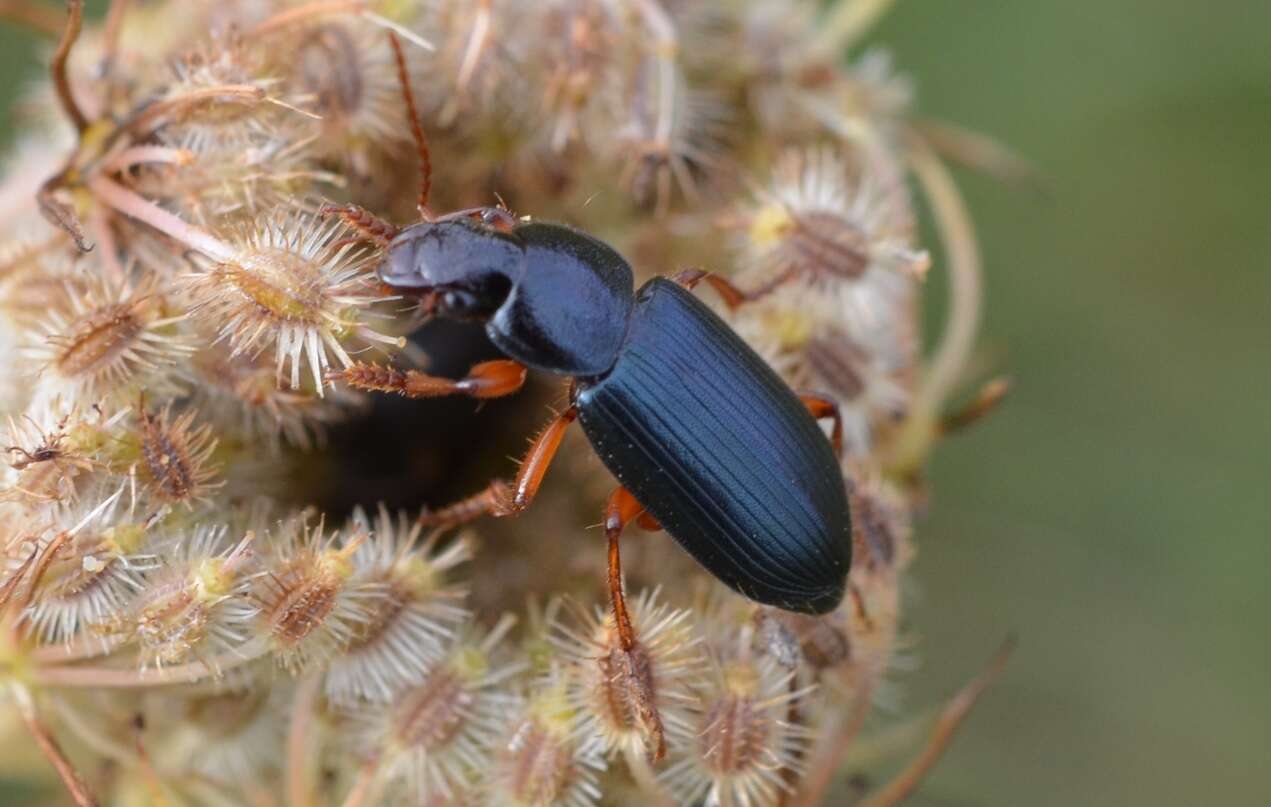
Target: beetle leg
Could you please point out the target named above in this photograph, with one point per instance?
(648, 522)
(733, 296)
(490, 500)
(489, 379)
(823, 406)
(498, 499)
(536, 462)
(372, 227)
(620, 511)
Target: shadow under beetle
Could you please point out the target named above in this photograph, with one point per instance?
(705, 439)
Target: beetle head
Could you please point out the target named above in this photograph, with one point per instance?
(457, 268)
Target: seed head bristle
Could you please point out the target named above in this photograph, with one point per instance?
(91, 574)
(104, 339)
(406, 629)
(634, 700)
(193, 606)
(291, 290)
(743, 739)
(543, 756)
(308, 605)
(176, 457)
(435, 735)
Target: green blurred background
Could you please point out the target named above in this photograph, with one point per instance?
(1114, 513)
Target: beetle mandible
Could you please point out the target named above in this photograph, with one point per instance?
(703, 436)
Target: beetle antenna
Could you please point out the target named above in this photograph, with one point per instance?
(416, 130)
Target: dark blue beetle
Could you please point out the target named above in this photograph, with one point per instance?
(705, 439)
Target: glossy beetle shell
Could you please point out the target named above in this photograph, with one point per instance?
(719, 450)
(568, 311)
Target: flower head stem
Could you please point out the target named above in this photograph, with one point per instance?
(324, 8)
(301, 747)
(953, 351)
(61, 83)
(52, 751)
(129, 203)
(845, 23)
(142, 155)
(122, 678)
(840, 728)
(900, 788)
(365, 785)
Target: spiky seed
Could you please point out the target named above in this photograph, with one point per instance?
(291, 289)
(176, 456)
(633, 700)
(102, 338)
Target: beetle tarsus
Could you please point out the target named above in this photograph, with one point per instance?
(493, 499)
(489, 379)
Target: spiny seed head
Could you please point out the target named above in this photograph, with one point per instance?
(225, 180)
(175, 457)
(881, 521)
(105, 339)
(543, 758)
(435, 734)
(581, 64)
(44, 463)
(345, 71)
(669, 145)
(744, 737)
(827, 222)
(218, 98)
(794, 639)
(633, 700)
(89, 566)
(292, 290)
(193, 606)
(405, 630)
(235, 734)
(876, 91)
(307, 604)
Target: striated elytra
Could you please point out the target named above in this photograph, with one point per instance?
(703, 434)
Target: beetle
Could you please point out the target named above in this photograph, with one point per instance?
(705, 439)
